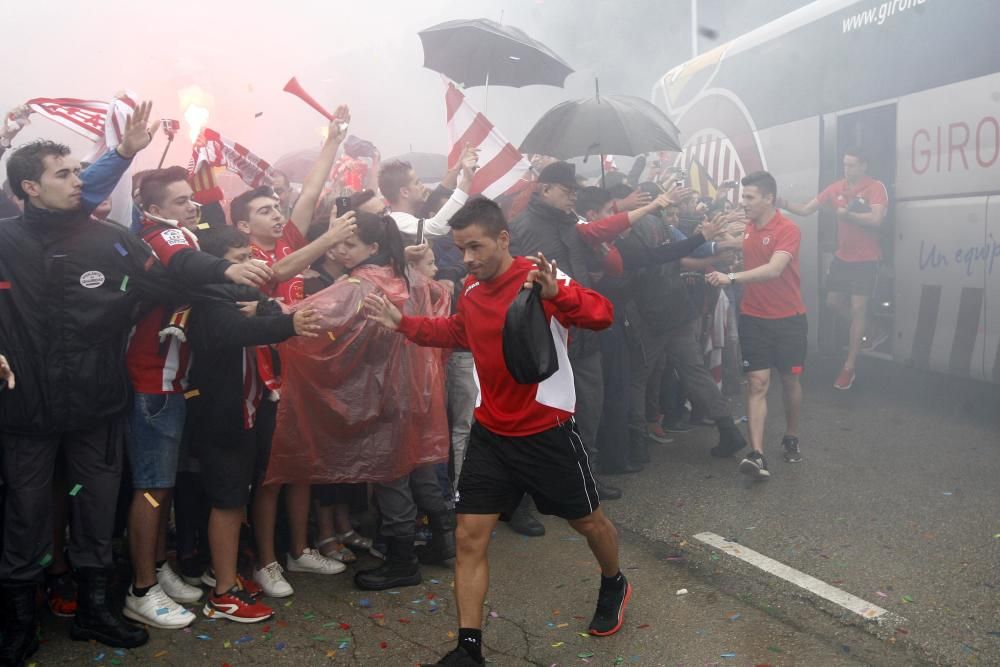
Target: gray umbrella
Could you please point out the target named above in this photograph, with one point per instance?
(602, 125)
(481, 52)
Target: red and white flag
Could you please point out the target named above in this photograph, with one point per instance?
(501, 165)
(101, 122)
(214, 150)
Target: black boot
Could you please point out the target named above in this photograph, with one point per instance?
(638, 450)
(19, 615)
(400, 568)
(442, 544)
(730, 439)
(524, 522)
(96, 619)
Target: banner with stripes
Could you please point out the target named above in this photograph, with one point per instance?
(501, 165)
(214, 150)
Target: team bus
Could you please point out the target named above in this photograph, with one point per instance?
(916, 83)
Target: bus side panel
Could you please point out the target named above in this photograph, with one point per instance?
(940, 285)
(793, 158)
(991, 316)
(949, 140)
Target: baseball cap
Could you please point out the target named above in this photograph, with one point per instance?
(560, 173)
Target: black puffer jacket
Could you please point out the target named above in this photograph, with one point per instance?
(546, 229)
(69, 297)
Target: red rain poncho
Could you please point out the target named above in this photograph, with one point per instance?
(360, 403)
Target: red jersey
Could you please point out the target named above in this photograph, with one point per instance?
(503, 406)
(856, 243)
(157, 367)
(782, 296)
(293, 289)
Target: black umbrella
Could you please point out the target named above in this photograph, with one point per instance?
(608, 125)
(483, 52)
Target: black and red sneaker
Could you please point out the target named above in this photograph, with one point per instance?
(236, 605)
(60, 592)
(610, 613)
(249, 585)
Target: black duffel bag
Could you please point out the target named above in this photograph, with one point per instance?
(528, 348)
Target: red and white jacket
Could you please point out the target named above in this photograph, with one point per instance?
(504, 406)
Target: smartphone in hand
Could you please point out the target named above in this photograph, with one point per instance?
(343, 206)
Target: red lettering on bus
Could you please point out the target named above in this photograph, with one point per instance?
(982, 145)
(953, 146)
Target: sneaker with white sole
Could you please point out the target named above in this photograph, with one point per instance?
(252, 588)
(755, 465)
(312, 561)
(236, 605)
(174, 586)
(157, 609)
(273, 582)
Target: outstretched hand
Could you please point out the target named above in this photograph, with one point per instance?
(306, 322)
(339, 125)
(545, 275)
(137, 134)
(382, 311)
(6, 373)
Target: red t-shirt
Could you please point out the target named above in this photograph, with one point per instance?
(780, 297)
(854, 242)
(504, 406)
(155, 367)
(293, 289)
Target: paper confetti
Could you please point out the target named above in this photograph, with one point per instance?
(558, 644)
(280, 646)
(203, 637)
(383, 645)
(159, 654)
(365, 602)
(682, 591)
(585, 654)
(124, 284)
(203, 226)
(121, 249)
(151, 500)
(194, 393)
(907, 598)
(76, 489)
(727, 655)
(46, 559)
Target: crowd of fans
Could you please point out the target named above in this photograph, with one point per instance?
(209, 382)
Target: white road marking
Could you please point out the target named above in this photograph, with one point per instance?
(815, 586)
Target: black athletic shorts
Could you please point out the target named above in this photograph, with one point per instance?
(232, 461)
(857, 278)
(779, 343)
(551, 466)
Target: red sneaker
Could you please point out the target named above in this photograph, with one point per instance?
(655, 431)
(236, 605)
(845, 379)
(60, 593)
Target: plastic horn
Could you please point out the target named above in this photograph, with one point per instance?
(296, 89)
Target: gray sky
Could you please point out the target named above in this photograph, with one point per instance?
(365, 54)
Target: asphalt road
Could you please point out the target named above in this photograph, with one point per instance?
(896, 502)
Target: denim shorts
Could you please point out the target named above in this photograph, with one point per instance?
(156, 425)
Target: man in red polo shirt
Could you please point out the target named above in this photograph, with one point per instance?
(772, 317)
(861, 203)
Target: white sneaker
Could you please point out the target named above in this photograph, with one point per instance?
(272, 581)
(157, 609)
(175, 587)
(312, 561)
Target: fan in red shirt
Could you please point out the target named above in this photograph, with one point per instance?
(861, 203)
(772, 324)
(524, 439)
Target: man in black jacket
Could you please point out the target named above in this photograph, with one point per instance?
(71, 287)
(548, 226)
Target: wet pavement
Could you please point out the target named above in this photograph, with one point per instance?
(897, 502)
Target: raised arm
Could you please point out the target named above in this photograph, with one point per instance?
(568, 301)
(808, 208)
(312, 188)
(100, 178)
(438, 225)
(292, 265)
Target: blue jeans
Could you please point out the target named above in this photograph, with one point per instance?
(155, 427)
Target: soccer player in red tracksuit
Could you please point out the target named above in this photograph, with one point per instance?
(524, 439)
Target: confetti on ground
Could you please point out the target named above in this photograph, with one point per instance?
(226, 644)
(244, 639)
(558, 644)
(907, 598)
(280, 646)
(383, 645)
(289, 603)
(881, 594)
(46, 559)
(682, 591)
(100, 656)
(203, 637)
(644, 626)
(76, 489)
(151, 500)
(493, 614)
(727, 655)
(365, 602)
(309, 616)
(159, 654)
(774, 649)
(120, 652)
(735, 616)
(435, 581)
(585, 654)
(121, 249)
